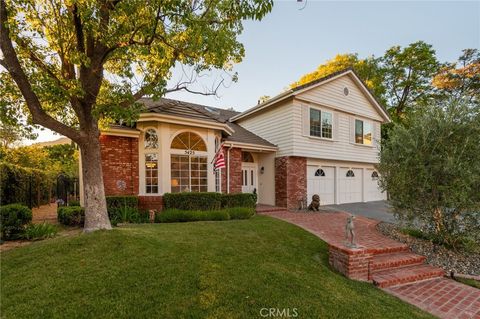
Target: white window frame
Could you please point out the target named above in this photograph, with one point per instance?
(321, 110)
(363, 131)
(143, 152)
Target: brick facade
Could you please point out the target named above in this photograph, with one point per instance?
(290, 181)
(235, 171)
(150, 202)
(119, 164)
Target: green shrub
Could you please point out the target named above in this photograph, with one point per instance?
(14, 217)
(192, 201)
(74, 203)
(28, 186)
(414, 232)
(40, 231)
(128, 215)
(207, 201)
(240, 212)
(239, 200)
(121, 201)
(176, 215)
(71, 215)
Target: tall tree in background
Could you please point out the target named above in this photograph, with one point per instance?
(81, 61)
(461, 79)
(407, 76)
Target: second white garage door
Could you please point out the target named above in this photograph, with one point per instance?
(321, 181)
(350, 185)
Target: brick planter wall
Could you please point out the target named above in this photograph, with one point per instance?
(290, 181)
(119, 164)
(351, 263)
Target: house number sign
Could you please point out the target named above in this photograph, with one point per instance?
(190, 152)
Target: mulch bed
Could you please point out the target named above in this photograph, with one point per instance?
(457, 261)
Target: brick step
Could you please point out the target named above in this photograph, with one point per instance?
(404, 275)
(394, 260)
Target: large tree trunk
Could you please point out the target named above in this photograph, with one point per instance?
(96, 216)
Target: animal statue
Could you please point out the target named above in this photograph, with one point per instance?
(315, 204)
(349, 231)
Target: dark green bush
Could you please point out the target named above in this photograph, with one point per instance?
(239, 200)
(71, 215)
(40, 231)
(128, 215)
(14, 217)
(192, 201)
(240, 212)
(74, 203)
(122, 201)
(28, 186)
(176, 215)
(207, 201)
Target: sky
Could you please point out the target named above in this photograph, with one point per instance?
(297, 37)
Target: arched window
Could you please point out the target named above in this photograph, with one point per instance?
(374, 175)
(320, 172)
(247, 157)
(188, 163)
(189, 141)
(151, 139)
(350, 173)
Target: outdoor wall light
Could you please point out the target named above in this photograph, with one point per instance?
(262, 170)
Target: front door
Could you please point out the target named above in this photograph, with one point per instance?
(249, 178)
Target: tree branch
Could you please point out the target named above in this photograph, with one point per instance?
(12, 64)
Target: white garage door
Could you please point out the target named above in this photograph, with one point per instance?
(321, 181)
(350, 185)
(372, 191)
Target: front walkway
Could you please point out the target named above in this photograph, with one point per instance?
(45, 213)
(390, 264)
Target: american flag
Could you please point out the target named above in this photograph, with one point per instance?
(219, 160)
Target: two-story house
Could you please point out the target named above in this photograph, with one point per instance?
(320, 138)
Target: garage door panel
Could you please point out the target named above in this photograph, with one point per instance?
(324, 186)
(350, 187)
(372, 189)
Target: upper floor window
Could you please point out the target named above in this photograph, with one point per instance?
(363, 132)
(321, 123)
(151, 139)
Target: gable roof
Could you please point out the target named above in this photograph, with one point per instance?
(206, 113)
(312, 84)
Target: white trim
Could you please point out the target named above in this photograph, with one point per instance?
(121, 132)
(248, 146)
(144, 117)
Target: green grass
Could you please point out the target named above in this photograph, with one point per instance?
(470, 282)
(228, 269)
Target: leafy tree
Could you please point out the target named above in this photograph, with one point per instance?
(78, 62)
(461, 79)
(431, 170)
(366, 68)
(407, 74)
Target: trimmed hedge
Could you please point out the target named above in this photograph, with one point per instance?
(122, 201)
(28, 186)
(177, 215)
(192, 201)
(207, 201)
(123, 209)
(240, 212)
(71, 215)
(14, 218)
(239, 200)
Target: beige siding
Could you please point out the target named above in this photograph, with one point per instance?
(275, 125)
(331, 95)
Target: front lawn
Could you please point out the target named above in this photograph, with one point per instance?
(229, 269)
